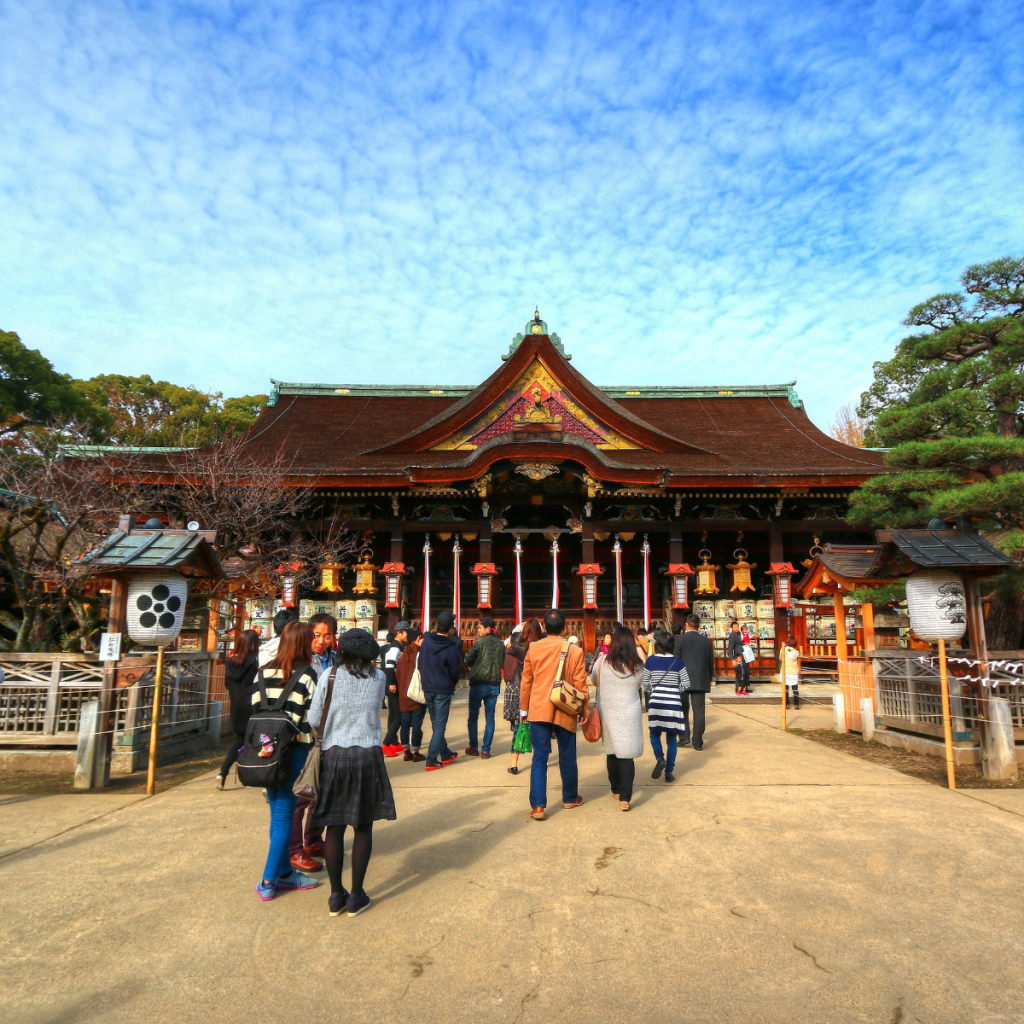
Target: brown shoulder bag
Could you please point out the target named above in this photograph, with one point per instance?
(564, 695)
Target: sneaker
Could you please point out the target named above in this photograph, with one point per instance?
(538, 814)
(658, 768)
(265, 797)
(472, 751)
(392, 751)
(448, 760)
(355, 905)
(303, 862)
(428, 767)
(669, 777)
(336, 902)
(218, 782)
(575, 803)
(297, 880)
(266, 890)
(417, 756)
(484, 754)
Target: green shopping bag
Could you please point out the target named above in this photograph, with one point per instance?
(521, 744)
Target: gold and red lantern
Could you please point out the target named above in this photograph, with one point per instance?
(680, 573)
(589, 571)
(393, 573)
(782, 574)
(484, 573)
(288, 571)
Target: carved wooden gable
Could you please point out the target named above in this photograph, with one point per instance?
(536, 406)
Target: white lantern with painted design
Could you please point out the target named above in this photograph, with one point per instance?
(156, 607)
(937, 604)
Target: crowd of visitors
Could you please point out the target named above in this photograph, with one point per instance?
(329, 690)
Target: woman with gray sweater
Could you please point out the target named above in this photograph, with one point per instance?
(354, 785)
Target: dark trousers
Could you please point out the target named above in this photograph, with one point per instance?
(793, 696)
(694, 699)
(621, 771)
(486, 694)
(412, 721)
(394, 719)
(439, 706)
(541, 735)
(232, 755)
(742, 673)
(303, 837)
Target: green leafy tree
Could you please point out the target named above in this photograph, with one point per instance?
(143, 411)
(33, 394)
(949, 406)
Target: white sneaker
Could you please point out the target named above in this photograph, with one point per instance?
(218, 782)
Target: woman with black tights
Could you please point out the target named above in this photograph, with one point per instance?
(354, 785)
(239, 676)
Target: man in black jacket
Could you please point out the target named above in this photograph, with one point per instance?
(440, 664)
(698, 655)
(485, 659)
(389, 655)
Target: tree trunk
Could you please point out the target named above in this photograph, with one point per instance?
(1004, 624)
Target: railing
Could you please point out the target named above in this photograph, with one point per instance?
(42, 694)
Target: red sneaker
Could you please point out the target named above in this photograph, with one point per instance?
(432, 767)
(449, 760)
(392, 751)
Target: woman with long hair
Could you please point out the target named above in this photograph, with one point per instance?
(530, 630)
(290, 667)
(354, 786)
(411, 728)
(617, 678)
(239, 673)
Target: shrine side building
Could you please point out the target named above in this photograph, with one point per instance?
(637, 504)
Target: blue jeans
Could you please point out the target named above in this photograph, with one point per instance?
(486, 694)
(541, 734)
(282, 802)
(439, 706)
(412, 720)
(672, 741)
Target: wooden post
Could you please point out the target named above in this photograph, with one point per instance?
(782, 679)
(154, 726)
(867, 613)
(840, 612)
(979, 647)
(213, 618)
(947, 728)
(52, 699)
(117, 622)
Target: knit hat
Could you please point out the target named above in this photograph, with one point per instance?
(358, 643)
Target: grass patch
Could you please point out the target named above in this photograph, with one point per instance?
(920, 766)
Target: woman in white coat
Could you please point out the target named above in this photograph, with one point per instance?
(617, 677)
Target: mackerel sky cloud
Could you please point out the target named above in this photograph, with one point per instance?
(217, 193)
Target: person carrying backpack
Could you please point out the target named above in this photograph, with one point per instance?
(288, 675)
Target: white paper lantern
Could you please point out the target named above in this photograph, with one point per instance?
(156, 607)
(937, 604)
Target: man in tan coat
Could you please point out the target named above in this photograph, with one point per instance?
(546, 721)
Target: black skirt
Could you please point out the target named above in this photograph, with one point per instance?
(354, 788)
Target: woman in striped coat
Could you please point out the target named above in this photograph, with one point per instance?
(664, 682)
(294, 656)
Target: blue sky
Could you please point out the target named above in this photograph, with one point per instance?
(708, 193)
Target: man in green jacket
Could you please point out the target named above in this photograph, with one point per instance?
(485, 660)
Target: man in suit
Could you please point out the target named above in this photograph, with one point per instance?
(698, 655)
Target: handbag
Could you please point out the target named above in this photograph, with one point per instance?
(591, 726)
(521, 744)
(564, 695)
(307, 785)
(415, 689)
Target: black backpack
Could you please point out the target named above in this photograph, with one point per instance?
(265, 759)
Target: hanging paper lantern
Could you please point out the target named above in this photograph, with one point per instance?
(782, 574)
(680, 573)
(741, 572)
(706, 574)
(393, 573)
(156, 607)
(484, 573)
(364, 576)
(937, 604)
(589, 571)
(330, 577)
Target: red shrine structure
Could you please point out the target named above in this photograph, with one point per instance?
(639, 504)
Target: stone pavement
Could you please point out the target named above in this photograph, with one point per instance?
(776, 880)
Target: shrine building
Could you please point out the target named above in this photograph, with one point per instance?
(536, 487)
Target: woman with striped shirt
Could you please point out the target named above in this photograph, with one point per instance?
(294, 656)
(665, 679)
